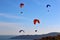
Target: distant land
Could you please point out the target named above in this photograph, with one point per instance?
(35, 36)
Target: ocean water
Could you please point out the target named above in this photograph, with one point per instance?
(8, 38)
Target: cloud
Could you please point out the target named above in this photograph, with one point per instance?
(7, 28)
(4, 24)
(12, 25)
(13, 16)
(10, 28)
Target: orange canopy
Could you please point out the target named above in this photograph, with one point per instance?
(36, 21)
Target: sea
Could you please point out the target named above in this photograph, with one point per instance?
(8, 37)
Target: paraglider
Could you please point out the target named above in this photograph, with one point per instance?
(36, 21)
(48, 5)
(21, 31)
(21, 6)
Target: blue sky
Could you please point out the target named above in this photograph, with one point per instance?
(11, 21)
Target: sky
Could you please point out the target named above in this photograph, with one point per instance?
(11, 20)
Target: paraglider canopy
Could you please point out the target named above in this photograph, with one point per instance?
(22, 5)
(48, 5)
(36, 21)
(21, 31)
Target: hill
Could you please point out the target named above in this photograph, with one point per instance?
(35, 36)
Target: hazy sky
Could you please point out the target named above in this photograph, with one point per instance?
(11, 20)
